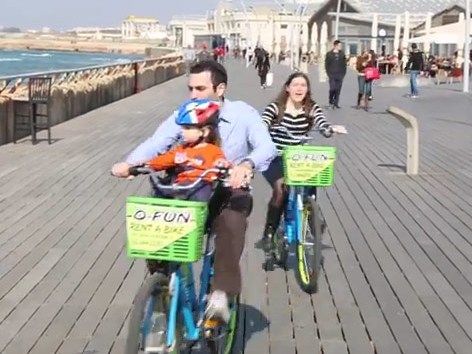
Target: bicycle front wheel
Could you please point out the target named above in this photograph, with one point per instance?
(147, 326)
(309, 246)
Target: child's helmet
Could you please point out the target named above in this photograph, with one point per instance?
(198, 112)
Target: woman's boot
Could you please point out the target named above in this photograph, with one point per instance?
(359, 98)
(274, 213)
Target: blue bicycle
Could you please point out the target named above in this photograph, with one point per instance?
(167, 316)
(302, 224)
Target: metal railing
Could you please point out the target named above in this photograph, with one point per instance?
(14, 85)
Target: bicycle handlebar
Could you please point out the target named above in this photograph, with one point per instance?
(222, 174)
(326, 132)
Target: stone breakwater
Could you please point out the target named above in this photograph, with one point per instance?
(74, 94)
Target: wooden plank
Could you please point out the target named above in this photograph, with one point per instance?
(27, 283)
(376, 324)
(256, 335)
(420, 319)
(281, 331)
(305, 329)
(73, 266)
(354, 329)
(327, 320)
(425, 292)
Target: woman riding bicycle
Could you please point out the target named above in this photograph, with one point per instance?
(295, 110)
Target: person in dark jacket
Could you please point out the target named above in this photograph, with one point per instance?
(415, 65)
(263, 67)
(336, 67)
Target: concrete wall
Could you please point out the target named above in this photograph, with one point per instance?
(72, 99)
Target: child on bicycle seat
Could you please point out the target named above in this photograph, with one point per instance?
(200, 150)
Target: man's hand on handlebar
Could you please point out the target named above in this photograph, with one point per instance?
(240, 175)
(121, 169)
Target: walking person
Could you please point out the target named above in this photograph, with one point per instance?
(372, 63)
(249, 57)
(263, 67)
(365, 86)
(336, 67)
(189, 56)
(204, 54)
(415, 64)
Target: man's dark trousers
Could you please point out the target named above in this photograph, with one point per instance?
(335, 85)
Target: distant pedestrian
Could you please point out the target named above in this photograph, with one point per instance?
(336, 67)
(204, 54)
(365, 85)
(263, 67)
(249, 56)
(415, 65)
(189, 56)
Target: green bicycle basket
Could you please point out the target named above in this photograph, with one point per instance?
(306, 165)
(165, 229)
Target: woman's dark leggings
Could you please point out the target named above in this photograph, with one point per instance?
(274, 173)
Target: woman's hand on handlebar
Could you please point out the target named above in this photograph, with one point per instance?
(339, 129)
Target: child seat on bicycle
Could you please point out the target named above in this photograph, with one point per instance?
(199, 151)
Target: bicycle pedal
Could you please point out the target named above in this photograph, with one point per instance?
(212, 323)
(196, 345)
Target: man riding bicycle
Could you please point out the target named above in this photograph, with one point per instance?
(247, 145)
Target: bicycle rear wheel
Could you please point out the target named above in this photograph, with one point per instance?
(309, 247)
(223, 338)
(148, 319)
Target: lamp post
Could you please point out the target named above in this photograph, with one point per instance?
(336, 27)
(295, 44)
(466, 79)
(248, 29)
(382, 34)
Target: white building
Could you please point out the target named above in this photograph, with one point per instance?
(373, 24)
(184, 28)
(96, 33)
(273, 25)
(142, 28)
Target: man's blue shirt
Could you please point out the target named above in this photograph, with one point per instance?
(243, 136)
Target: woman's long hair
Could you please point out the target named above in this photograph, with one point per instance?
(282, 98)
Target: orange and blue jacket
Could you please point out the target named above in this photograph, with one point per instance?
(190, 162)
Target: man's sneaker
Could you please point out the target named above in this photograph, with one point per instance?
(218, 307)
(156, 338)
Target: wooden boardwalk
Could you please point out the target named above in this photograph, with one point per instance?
(398, 253)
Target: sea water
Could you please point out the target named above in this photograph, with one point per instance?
(15, 62)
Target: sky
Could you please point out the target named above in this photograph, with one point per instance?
(66, 14)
